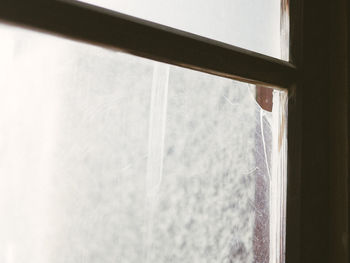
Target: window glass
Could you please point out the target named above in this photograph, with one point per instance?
(108, 157)
(256, 25)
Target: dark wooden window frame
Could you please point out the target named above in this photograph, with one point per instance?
(305, 77)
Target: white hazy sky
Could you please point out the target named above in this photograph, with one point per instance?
(250, 24)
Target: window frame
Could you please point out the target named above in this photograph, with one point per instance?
(305, 77)
(147, 39)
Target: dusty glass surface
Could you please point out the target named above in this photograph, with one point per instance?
(260, 26)
(107, 157)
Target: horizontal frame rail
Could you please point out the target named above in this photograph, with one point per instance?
(146, 39)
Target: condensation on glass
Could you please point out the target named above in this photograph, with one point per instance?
(260, 26)
(107, 157)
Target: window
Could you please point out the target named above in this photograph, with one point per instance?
(159, 155)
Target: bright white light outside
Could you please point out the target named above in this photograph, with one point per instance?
(252, 24)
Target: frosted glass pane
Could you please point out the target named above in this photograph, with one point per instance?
(260, 26)
(108, 157)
